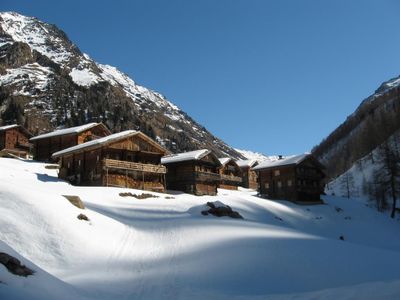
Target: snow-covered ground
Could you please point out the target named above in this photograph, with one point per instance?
(163, 248)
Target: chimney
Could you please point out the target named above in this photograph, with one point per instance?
(280, 157)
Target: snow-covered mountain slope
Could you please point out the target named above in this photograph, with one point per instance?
(256, 155)
(47, 82)
(163, 248)
(361, 178)
(373, 122)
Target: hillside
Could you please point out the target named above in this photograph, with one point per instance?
(47, 82)
(163, 248)
(373, 122)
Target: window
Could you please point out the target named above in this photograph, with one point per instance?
(279, 184)
(79, 162)
(266, 185)
(289, 183)
(277, 173)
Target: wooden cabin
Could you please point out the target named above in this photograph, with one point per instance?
(249, 177)
(297, 178)
(45, 145)
(14, 141)
(126, 159)
(230, 173)
(194, 172)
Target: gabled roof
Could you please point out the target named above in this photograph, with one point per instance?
(106, 141)
(7, 127)
(249, 163)
(71, 130)
(287, 161)
(224, 160)
(187, 156)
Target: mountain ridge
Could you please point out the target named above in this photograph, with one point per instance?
(47, 82)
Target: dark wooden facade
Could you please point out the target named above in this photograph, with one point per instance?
(249, 177)
(194, 172)
(14, 140)
(46, 144)
(127, 159)
(230, 173)
(298, 179)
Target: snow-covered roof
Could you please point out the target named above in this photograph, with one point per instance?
(242, 163)
(65, 131)
(185, 156)
(105, 141)
(8, 127)
(290, 160)
(224, 160)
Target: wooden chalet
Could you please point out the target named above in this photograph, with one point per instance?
(230, 173)
(126, 159)
(297, 178)
(14, 141)
(249, 177)
(194, 172)
(45, 145)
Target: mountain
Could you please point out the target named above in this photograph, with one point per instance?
(46, 82)
(256, 155)
(373, 123)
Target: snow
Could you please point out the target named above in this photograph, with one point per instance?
(361, 172)
(35, 33)
(69, 130)
(163, 248)
(97, 142)
(83, 77)
(8, 127)
(224, 160)
(27, 78)
(242, 163)
(251, 155)
(290, 160)
(185, 156)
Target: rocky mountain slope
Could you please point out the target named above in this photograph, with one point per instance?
(47, 82)
(372, 124)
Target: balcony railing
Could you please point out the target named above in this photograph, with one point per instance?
(231, 178)
(206, 176)
(133, 166)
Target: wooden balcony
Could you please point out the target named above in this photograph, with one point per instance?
(206, 176)
(133, 166)
(231, 178)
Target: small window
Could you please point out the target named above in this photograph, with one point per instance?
(97, 158)
(277, 173)
(79, 162)
(68, 165)
(266, 185)
(279, 184)
(289, 183)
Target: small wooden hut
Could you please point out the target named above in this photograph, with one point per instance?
(45, 145)
(249, 177)
(14, 140)
(230, 173)
(296, 178)
(126, 159)
(194, 172)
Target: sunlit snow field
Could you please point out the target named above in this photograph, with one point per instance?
(163, 248)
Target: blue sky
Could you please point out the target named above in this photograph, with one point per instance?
(269, 76)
